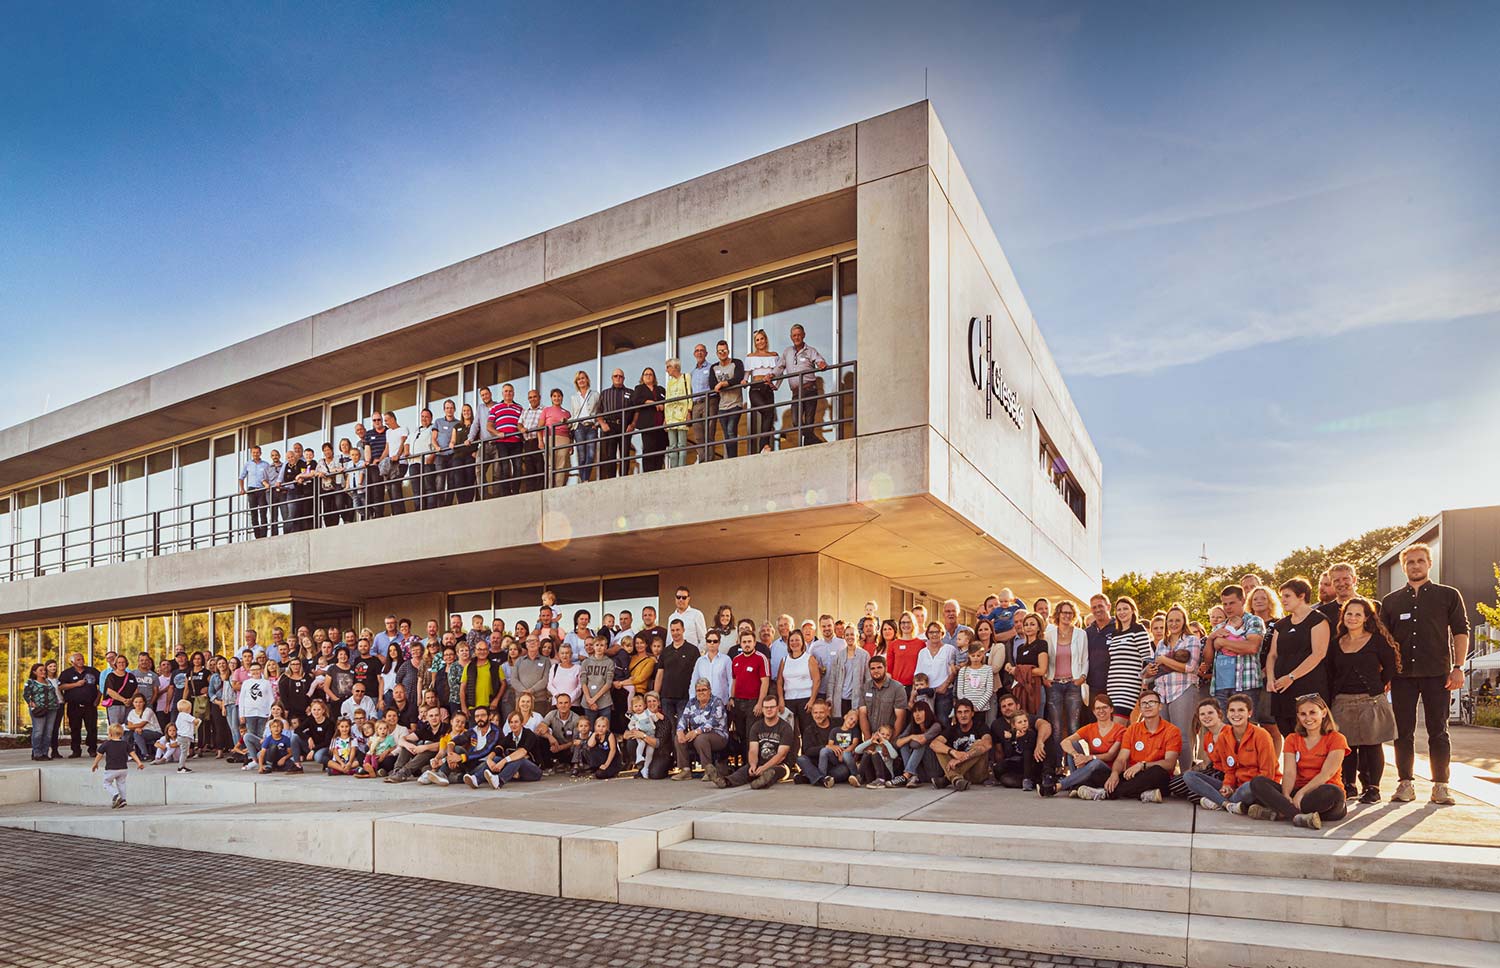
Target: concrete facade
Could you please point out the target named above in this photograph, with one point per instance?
(929, 496)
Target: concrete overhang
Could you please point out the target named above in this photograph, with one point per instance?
(845, 499)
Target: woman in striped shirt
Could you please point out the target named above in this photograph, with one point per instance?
(1129, 651)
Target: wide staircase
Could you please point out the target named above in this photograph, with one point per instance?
(1113, 895)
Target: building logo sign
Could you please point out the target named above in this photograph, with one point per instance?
(988, 377)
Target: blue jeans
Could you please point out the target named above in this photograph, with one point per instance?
(145, 742)
(41, 731)
(1206, 787)
(920, 762)
(255, 731)
(322, 756)
(585, 449)
(1092, 773)
(232, 713)
(1222, 695)
(1064, 706)
(523, 770)
(827, 762)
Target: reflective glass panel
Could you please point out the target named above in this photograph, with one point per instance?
(518, 605)
(29, 648)
(263, 618)
(101, 641)
(77, 510)
(195, 472)
(632, 593)
(699, 324)
(632, 345)
(103, 528)
(131, 487)
(559, 361)
(77, 637)
(51, 525)
(157, 642)
(192, 632)
(161, 495)
(52, 645)
(848, 343)
(226, 486)
(132, 634)
(21, 675)
(306, 428)
(401, 400)
(224, 632)
(806, 300)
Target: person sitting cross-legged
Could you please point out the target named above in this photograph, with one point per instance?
(768, 746)
(1148, 754)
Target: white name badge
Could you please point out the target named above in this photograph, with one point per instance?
(1098, 741)
(1296, 757)
(1229, 761)
(1405, 616)
(1139, 746)
(1209, 747)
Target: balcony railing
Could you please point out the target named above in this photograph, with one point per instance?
(636, 439)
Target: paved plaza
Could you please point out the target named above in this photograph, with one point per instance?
(155, 909)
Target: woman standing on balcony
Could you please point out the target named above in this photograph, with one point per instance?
(586, 431)
(679, 412)
(461, 479)
(646, 419)
(559, 437)
(760, 372)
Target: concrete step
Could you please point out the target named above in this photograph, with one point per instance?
(1435, 911)
(1118, 848)
(1150, 889)
(1408, 864)
(1244, 943)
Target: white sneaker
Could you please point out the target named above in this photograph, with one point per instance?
(426, 779)
(1441, 796)
(470, 781)
(1405, 792)
(1206, 804)
(440, 779)
(1310, 821)
(1151, 796)
(1090, 793)
(1238, 809)
(492, 778)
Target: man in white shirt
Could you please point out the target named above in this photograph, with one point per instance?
(694, 628)
(823, 648)
(397, 448)
(422, 470)
(358, 700)
(256, 695)
(626, 621)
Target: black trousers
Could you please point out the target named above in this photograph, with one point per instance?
(805, 412)
(741, 716)
(1151, 778)
(653, 448)
(609, 455)
(1367, 764)
(258, 517)
(86, 717)
(1327, 801)
(511, 466)
(1433, 691)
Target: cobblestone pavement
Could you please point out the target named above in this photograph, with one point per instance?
(82, 902)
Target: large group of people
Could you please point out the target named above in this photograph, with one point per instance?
(1276, 707)
(559, 435)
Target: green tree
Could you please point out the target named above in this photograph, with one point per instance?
(1491, 613)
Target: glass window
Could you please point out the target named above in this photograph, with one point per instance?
(28, 514)
(77, 637)
(806, 300)
(631, 594)
(157, 642)
(101, 545)
(468, 604)
(5, 538)
(226, 485)
(161, 494)
(400, 400)
(739, 316)
(21, 674)
(51, 525)
(263, 618)
(559, 361)
(195, 472)
(51, 645)
(268, 435)
(698, 324)
(571, 596)
(513, 367)
(632, 345)
(518, 605)
(224, 632)
(76, 508)
(848, 311)
(343, 416)
(101, 641)
(306, 428)
(441, 388)
(132, 638)
(192, 631)
(29, 647)
(131, 477)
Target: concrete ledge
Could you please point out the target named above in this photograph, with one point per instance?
(595, 861)
(198, 789)
(1435, 911)
(671, 827)
(1414, 865)
(1219, 942)
(761, 899)
(99, 828)
(82, 788)
(846, 833)
(1101, 933)
(514, 855)
(341, 840)
(22, 784)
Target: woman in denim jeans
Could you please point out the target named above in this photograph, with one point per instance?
(1067, 669)
(586, 432)
(918, 761)
(41, 702)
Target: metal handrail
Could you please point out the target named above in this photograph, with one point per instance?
(475, 470)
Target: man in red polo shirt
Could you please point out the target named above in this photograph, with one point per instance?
(1148, 755)
(751, 674)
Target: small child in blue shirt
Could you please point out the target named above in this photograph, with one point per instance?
(275, 750)
(1002, 614)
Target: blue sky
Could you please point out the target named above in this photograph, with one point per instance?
(1263, 242)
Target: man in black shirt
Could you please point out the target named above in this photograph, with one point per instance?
(611, 418)
(770, 743)
(375, 476)
(79, 685)
(367, 668)
(674, 674)
(1421, 615)
(963, 750)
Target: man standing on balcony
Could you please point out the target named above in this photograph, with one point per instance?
(443, 480)
(423, 469)
(705, 403)
(484, 452)
(377, 467)
(611, 417)
(255, 479)
(532, 466)
(799, 365)
(504, 425)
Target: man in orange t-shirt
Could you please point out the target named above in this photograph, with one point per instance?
(1148, 755)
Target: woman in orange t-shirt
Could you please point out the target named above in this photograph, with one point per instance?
(1240, 752)
(1091, 749)
(1312, 782)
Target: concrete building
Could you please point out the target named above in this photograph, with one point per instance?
(949, 458)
